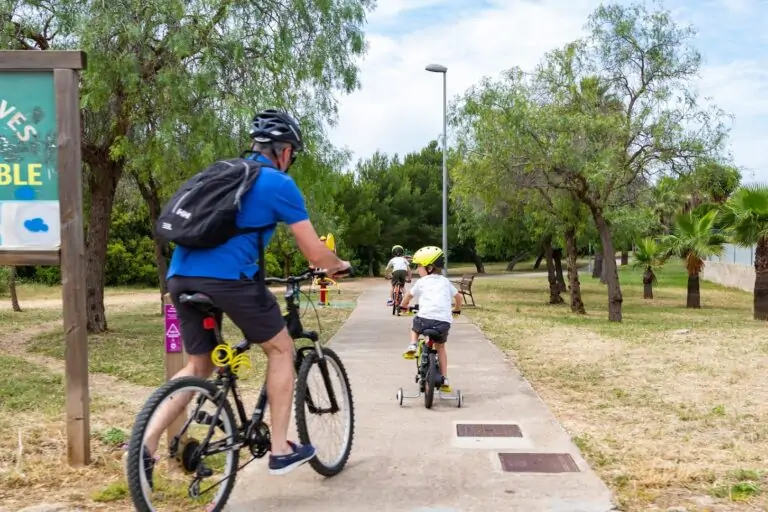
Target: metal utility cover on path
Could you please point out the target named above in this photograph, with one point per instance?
(538, 463)
(487, 430)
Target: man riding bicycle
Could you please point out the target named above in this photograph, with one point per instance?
(401, 270)
(229, 275)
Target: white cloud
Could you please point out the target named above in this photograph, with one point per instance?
(399, 108)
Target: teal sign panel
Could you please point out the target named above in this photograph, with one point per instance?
(29, 179)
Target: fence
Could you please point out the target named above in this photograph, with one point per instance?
(734, 269)
(736, 255)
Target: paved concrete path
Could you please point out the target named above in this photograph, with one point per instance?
(408, 458)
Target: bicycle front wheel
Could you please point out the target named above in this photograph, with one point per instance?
(198, 472)
(329, 383)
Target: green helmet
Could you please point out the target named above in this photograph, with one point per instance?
(397, 250)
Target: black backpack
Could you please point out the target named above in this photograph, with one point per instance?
(202, 213)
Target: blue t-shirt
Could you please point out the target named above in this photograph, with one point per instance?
(273, 198)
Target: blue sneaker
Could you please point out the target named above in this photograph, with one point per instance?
(282, 464)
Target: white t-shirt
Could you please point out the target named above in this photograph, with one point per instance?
(398, 263)
(435, 294)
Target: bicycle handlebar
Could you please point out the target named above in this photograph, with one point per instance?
(306, 276)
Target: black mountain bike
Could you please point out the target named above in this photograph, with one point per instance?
(203, 459)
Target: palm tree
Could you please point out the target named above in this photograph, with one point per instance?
(649, 254)
(693, 240)
(746, 215)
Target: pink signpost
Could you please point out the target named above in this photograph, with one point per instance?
(172, 332)
(175, 357)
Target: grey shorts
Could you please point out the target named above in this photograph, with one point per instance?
(422, 324)
(399, 276)
(250, 306)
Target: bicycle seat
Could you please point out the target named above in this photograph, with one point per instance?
(433, 334)
(196, 299)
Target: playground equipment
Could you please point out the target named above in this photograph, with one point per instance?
(325, 282)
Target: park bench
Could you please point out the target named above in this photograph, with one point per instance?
(465, 287)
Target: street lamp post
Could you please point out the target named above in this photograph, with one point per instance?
(437, 68)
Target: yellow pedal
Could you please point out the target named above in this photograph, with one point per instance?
(409, 356)
(445, 389)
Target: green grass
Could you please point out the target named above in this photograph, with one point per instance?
(134, 349)
(25, 387)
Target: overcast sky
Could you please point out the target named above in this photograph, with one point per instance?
(399, 108)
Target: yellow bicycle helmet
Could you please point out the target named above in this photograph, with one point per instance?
(397, 250)
(429, 255)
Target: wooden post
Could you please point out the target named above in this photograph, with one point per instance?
(175, 356)
(42, 140)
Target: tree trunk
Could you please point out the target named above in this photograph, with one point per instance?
(624, 258)
(537, 263)
(761, 280)
(287, 264)
(370, 262)
(597, 270)
(102, 184)
(149, 191)
(515, 261)
(12, 289)
(609, 266)
(557, 256)
(577, 304)
(554, 286)
(693, 299)
(648, 278)
(603, 278)
(478, 261)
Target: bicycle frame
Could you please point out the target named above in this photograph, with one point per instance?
(226, 379)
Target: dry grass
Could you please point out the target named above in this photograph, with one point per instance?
(665, 418)
(131, 351)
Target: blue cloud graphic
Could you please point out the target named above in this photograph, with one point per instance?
(36, 225)
(25, 193)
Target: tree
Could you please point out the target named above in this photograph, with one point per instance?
(170, 86)
(649, 255)
(619, 107)
(12, 289)
(694, 240)
(746, 215)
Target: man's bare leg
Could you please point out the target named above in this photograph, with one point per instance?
(197, 366)
(280, 378)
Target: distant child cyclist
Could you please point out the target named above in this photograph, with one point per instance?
(434, 293)
(401, 270)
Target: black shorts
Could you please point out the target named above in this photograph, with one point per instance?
(422, 324)
(399, 276)
(250, 306)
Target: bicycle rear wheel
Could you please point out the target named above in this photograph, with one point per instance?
(429, 391)
(331, 377)
(167, 483)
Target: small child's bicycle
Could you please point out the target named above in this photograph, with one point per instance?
(428, 374)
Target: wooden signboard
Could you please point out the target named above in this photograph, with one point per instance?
(41, 202)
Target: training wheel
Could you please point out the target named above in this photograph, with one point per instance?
(400, 396)
(459, 399)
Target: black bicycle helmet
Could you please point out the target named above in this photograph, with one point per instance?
(274, 126)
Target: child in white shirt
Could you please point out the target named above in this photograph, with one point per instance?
(435, 294)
